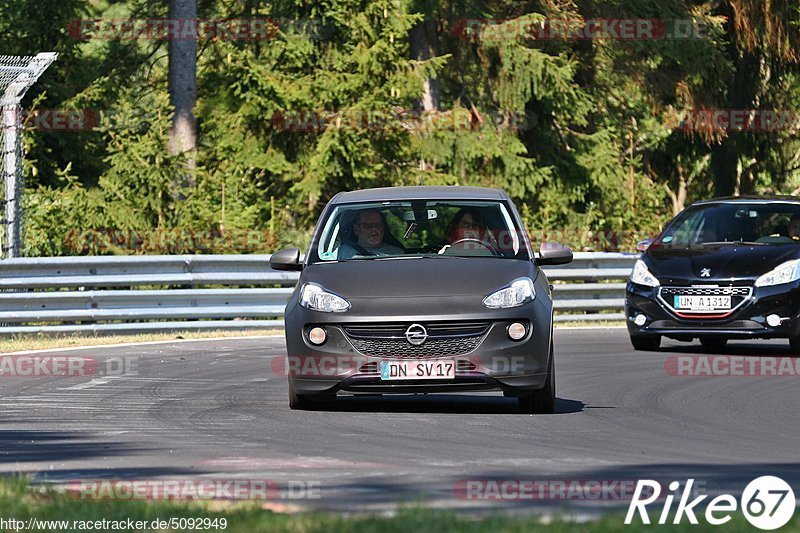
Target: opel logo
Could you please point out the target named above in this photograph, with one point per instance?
(705, 273)
(416, 334)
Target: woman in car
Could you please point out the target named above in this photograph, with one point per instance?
(466, 224)
(467, 231)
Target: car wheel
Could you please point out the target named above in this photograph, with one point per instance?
(646, 343)
(794, 345)
(542, 401)
(713, 342)
(307, 402)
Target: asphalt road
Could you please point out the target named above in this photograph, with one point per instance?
(196, 410)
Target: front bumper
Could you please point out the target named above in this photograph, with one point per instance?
(748, 321)
(495, 363)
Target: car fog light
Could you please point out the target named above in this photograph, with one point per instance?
(317, 335)
(774, 321)
(640, 320)
(516, 331)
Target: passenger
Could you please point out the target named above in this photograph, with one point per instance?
(370, 229)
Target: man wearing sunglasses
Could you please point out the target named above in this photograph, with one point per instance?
(369, 229)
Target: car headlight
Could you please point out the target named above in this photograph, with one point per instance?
(642, 276)
(516, 293)
(785, 273)
(315, 297)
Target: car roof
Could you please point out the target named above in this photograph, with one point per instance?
(424, 192)
(749, 200)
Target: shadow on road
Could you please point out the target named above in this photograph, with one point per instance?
(438, 403)
(754, 349)
(19, 446)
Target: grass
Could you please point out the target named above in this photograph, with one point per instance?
(20, 501)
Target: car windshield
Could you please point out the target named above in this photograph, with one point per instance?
(428, 228)
(766, 223)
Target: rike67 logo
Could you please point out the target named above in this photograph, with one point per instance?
(767, 503)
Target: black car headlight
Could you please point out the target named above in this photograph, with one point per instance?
(313, 296)
(514, 294)
(784, 273)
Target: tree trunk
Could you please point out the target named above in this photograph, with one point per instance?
(183, 82)
(725, 155)
(678, 197)
(422, 40)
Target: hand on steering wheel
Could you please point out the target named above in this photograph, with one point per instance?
(477, 241)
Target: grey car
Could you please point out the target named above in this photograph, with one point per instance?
(420, 290)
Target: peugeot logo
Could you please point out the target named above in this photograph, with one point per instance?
(416, 334)
(705, 273)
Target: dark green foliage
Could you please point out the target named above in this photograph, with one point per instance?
(585, 135)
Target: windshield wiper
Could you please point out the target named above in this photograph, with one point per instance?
(739, 243)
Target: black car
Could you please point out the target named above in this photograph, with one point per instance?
(418, 290)
(727, 268)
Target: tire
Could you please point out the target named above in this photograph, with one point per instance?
(646, 343)
(307, 402)
(794, 345)
(715, 343)
(542, 401)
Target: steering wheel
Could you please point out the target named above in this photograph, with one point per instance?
(476, 241)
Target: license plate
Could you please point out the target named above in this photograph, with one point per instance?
(703, 303)
(392, 370)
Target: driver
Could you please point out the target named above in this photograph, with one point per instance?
(467, 230)
(369, 228)
(794, 227)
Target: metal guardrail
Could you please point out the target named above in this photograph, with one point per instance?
(139, 270)
(125, 294)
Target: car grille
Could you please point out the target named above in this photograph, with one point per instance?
(389, 340)
(739, 296)
(705, 291)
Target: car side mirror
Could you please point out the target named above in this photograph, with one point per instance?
(288, 259)
(642, 246)
(551, 253)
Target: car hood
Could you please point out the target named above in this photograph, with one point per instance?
(417, 277)
(724, 262)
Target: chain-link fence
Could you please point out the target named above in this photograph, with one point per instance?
(17, 75)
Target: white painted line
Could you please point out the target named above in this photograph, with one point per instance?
(127, 344)
(80, 386)
(590, 327)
